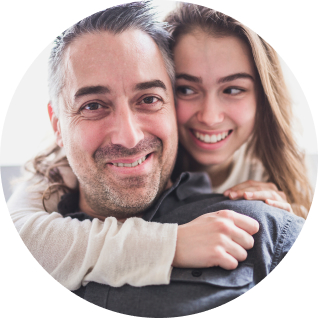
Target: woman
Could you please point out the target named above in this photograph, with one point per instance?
(234, 111)
(212, 138)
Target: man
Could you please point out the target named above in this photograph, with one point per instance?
(113, 113)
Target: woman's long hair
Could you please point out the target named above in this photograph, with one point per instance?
(46, 166)
(272, 141)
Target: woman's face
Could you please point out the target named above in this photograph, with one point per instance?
(216, 95)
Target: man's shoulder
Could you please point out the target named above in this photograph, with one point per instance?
(258, 210)
(191, 202)
(196, 205)
(274, 222)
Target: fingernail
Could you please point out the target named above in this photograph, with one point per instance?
(249, 194)
(226, 193)
(233, 195)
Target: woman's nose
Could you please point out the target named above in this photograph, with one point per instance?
(211, 111)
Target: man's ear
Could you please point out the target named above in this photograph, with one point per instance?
(56, 125)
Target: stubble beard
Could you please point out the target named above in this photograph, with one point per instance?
(130, 196)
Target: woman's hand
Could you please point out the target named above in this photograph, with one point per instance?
(215, 239)
(257, 190)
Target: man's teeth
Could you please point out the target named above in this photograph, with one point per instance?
(129, 165)
(211, 139)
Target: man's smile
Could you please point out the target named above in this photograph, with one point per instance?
(142, 166)
(129, 162)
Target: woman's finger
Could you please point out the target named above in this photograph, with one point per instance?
(263, 195)
(236, 251)
(234, 195)
(281, 205)
(251, 184)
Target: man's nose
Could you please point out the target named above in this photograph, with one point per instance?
(126, 128)
(211, 111)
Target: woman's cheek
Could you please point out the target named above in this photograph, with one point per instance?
(244, 112)
(184, 112)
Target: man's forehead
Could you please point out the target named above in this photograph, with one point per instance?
(109, 59)
(109, 42)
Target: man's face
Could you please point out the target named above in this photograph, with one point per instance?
(117, 122)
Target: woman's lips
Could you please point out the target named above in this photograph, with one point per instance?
(212, 140)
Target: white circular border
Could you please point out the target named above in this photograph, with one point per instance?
(27, 27)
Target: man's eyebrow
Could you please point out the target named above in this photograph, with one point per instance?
(190, 78)
(234, 77)
(90, 90)
(150, 84)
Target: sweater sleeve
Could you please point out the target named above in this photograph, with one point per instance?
(75, 252)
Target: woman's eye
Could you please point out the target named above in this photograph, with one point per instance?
(183, 90)
(92, 106)
(233, 91)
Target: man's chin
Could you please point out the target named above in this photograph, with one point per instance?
(123, 197)
(124, 203)
(122, 209)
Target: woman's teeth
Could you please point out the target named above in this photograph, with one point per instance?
(129, 165)
(211, 139)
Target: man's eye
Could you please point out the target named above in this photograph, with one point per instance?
(233, 91)
(94, 110)
(150, 100)
(92, 106)
(184, 90)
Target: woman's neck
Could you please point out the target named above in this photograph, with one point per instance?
(218, 173)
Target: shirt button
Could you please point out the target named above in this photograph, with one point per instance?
(196, 273)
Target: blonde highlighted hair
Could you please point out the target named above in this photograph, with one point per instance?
(272, 141)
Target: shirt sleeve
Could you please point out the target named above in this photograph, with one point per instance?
(288, 235)
(75, 252)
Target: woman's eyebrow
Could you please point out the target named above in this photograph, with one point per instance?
(189, 78)
(234, 77)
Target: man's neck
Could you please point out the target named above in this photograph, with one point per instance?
(84, 206)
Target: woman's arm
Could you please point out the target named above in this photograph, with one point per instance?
(74, 252)
(135, 252)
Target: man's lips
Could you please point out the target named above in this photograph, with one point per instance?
(129, 162)
(132, 166)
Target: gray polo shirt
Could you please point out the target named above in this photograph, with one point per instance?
(195, 290)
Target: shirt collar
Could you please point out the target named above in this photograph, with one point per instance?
(188, 184)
